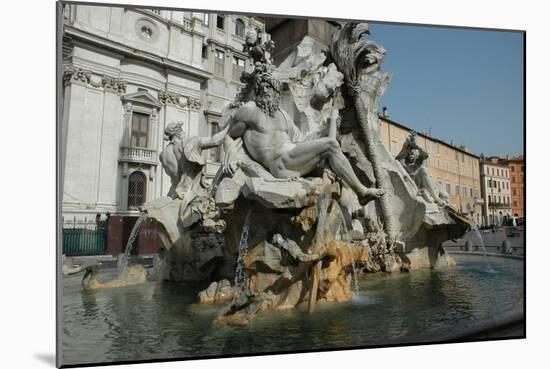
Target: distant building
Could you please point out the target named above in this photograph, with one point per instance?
(517, 181)
(454, 168)
(516, 167)
(496, 190)
(127, 73)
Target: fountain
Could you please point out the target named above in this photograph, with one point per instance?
(308, 214)
(122, 262)
(475, 229)
(127, 275)
(303, 153)
(240, 276)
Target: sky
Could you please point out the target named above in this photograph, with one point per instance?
(465, 85)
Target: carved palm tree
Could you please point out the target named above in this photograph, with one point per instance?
(359, 61)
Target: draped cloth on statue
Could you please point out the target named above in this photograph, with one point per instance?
(190, 187)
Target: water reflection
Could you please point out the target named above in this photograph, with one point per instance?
(163, 320)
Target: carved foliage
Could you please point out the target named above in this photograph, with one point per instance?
(73, 74)
(194, 103)
(84, 76)
(174, 98)
(167, 97)
(117, 85)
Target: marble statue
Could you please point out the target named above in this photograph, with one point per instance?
(306, 195)
(189, 224)
(183, 161)
(273, 140)
(412, 157)
(359, 60)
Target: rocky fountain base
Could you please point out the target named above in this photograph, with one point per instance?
(291, 242)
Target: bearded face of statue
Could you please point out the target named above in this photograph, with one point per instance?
(267, 98)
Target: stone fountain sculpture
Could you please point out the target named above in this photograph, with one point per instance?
(307, 192)
(187, 218)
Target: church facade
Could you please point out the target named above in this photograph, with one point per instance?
(127, 73)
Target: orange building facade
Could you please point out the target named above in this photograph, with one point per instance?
(517, 181)
(454, 168)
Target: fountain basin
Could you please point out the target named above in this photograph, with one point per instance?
(416, 307)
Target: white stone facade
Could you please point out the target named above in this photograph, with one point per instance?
(497, 192)
(127, 73)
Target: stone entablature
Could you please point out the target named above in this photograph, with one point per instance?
(84, 77)
(174, 98)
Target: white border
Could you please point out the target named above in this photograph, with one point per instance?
(28, 141)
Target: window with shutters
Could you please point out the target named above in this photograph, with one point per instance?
(140, 130)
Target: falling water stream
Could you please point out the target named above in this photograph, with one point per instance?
(482, 244)
(355, 282)
(240, 276)
(122, 262)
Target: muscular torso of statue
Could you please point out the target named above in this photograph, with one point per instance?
(273, 142)
(266, 138)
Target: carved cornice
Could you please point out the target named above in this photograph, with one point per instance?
(167, 97)
(116, 85)
(72, 74)
(174, 98)
(193, 103)
(84, 77)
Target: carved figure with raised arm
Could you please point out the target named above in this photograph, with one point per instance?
(183, 161)
(412, 158)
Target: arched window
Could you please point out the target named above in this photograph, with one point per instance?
(137, 189)
(239, 28)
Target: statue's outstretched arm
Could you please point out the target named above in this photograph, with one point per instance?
(216, 140)
(228, 117)
(239, 118)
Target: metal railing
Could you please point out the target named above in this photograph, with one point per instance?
(84, 237)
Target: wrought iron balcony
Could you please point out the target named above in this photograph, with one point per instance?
(133, 154)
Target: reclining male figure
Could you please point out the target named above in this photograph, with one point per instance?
(270, 137)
